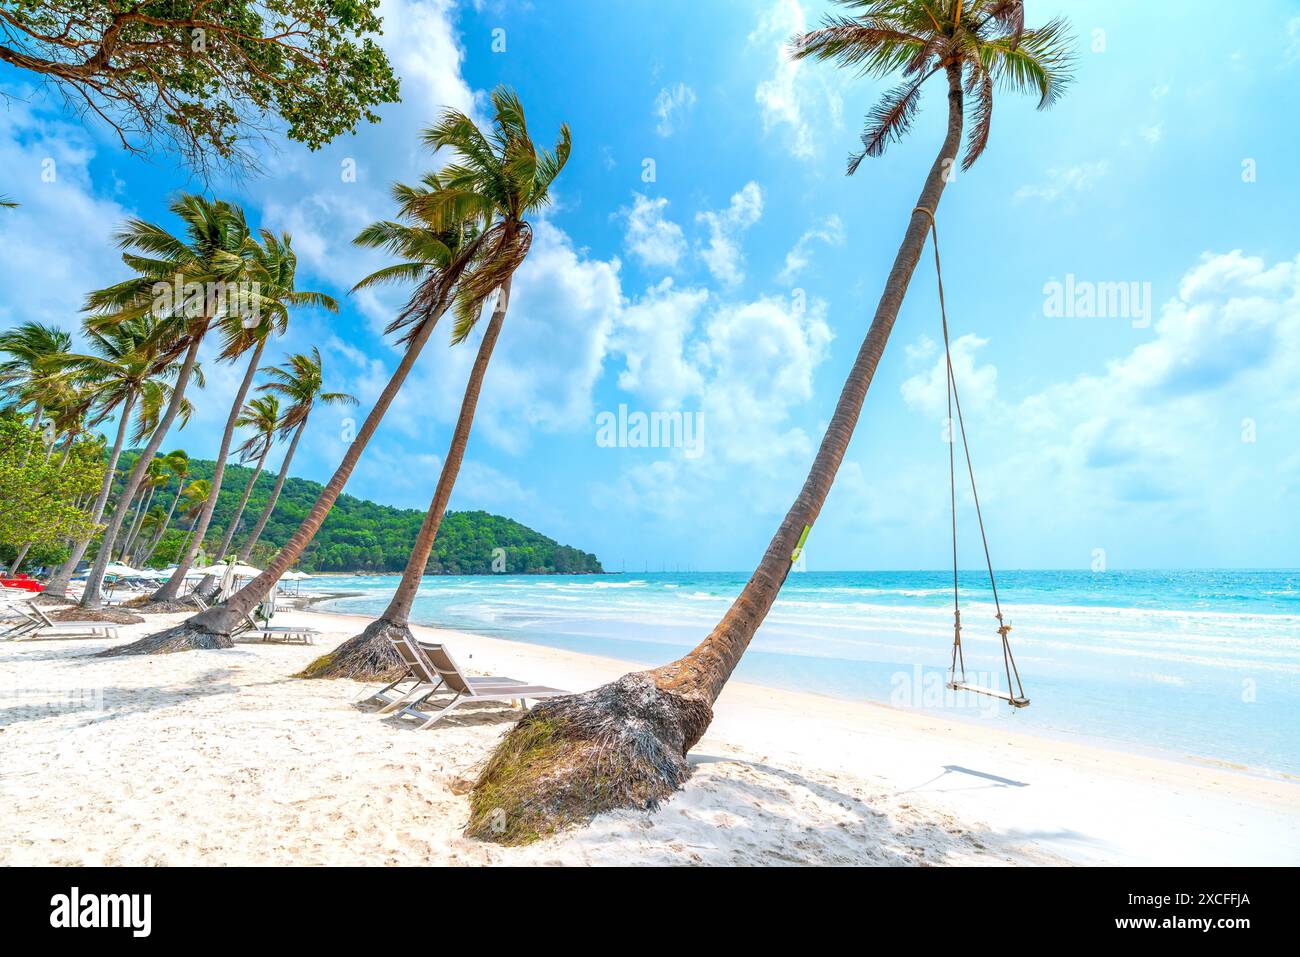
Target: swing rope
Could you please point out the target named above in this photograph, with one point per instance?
(958, 663)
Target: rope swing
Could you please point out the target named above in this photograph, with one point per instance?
(957, 667)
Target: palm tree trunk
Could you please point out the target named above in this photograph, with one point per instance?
(209, 584)
(171, 588)
(644, 723)
(58, 586)
(166, 522)
(370, 655)
(18, 562)
(142, 503)
(213, 628)
(247, 550)
(95, 580)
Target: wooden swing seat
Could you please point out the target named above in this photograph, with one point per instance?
(1013, 700)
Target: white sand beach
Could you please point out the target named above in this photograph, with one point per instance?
(222, 758)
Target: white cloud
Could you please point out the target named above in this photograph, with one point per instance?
(1065, 183)
(670, 104)
(1170, 435)
(563, 306)
(976, 384)
(790, 99)
(59, 241)
(652, 335)
(651, 237)
(830, 232)
(722, 254)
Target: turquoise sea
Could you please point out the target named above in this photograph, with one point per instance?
(1199, 663)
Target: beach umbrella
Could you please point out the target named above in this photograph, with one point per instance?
(118, 570)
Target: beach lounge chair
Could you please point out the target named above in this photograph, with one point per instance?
(434, 670)
(285, 633)
(35, 624)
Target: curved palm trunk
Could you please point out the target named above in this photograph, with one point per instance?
(58, 586)
(247, 550)
(213, 628)
(209, 585)
(171, 588)
(142, 504)
(370, 655)
(91, 598)
(190, 531)
(560, 758)
(166, 522)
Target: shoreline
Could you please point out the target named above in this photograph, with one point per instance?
(964, 716)
(305, 773)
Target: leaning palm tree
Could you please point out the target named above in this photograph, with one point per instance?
(301, 383)
(262, 415)
(624, 744)
(207, 259)
(272, 274)
(195, 496)
(120, 371)
(177, 465)
(470, 199)
(514, 182)
(155, 478)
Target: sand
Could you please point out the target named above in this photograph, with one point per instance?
(220, 757)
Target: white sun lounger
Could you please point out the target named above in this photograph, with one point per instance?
(434, 670)
(281, 632)
(37, 624)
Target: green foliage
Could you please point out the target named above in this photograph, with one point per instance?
(201, 76)
(39, 499)
(363, 536)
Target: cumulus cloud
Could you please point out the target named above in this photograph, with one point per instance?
(651, 237)
(976, 384)
(1167, 435)
(725, 227)
(562, 309)
(58, 243)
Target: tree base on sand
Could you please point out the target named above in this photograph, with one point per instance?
(184, 637)
(369, 656)
(622, 745)
(150, 607)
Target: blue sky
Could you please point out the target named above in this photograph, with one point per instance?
(739, 282)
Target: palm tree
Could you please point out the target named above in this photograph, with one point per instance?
(156, 477)
(624, 744)
(508, 180)
(29, 349)
(479, 264)
(152, 525)
(121, 370)
(301, 383)
(272, 272)
(196, 496)
(177, 465)
(262, 415)
(210, 257)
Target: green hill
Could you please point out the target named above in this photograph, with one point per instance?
(364, 536)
